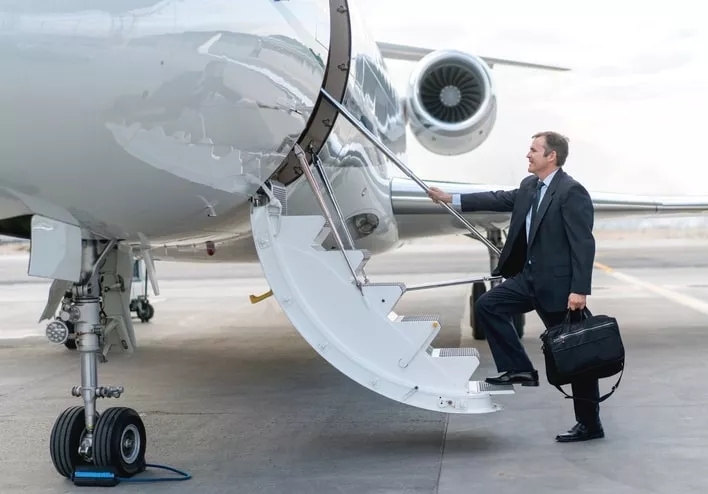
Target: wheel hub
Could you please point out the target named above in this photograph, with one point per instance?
(130, 444)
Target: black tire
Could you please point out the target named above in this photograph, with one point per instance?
(65, 440)
(119, 441)
(147, 312)
(71, 342)
(478, 289)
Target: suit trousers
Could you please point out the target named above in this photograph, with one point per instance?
(494, 311)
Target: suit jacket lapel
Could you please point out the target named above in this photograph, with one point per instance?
(543, 207)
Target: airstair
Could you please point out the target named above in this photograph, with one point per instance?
(352, 322)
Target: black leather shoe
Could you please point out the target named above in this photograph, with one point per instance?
(580, 432)
(528, 378)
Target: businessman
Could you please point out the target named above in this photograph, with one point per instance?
(547, 263)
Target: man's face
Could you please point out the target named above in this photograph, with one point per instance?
(538, 163)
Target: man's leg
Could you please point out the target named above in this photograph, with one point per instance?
(494, 311)
(587, 413)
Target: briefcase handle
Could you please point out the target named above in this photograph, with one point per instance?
(584, 314)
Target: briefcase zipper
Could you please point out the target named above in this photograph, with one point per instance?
(564, 336)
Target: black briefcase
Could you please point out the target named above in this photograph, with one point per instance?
(591, 348)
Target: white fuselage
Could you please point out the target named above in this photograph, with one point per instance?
(161, 119)
(154, 122)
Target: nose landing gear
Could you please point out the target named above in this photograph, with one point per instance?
(81, 436)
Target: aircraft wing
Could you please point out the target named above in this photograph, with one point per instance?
(418, 216)
(413, 53)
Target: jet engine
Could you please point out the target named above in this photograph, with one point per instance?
(451, 104)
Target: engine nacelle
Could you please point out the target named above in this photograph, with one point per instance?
(451, 104)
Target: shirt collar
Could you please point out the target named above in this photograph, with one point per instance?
(549, 178)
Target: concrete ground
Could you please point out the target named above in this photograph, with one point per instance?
(231, 393)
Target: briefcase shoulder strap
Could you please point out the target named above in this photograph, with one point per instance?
(602, 398)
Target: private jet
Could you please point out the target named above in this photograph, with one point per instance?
(259, 131)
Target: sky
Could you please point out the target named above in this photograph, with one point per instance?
(634, 105)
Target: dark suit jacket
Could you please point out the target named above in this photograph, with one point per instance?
(562, 251)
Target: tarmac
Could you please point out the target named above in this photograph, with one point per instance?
(231, 393)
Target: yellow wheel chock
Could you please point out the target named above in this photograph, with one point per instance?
(260, 298)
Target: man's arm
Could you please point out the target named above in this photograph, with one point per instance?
(578, 217)
(499, 201)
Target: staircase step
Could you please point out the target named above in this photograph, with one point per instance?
(426, 318)
(281, 193)
(455, 352)
(383, 297)
(493, 389)
(365, 259)
(401, 286)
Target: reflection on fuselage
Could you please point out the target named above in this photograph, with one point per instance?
(144, 117)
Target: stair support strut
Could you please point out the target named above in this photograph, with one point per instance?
(300, 154)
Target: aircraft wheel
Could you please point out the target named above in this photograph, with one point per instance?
(145, 311)
(119, 441)
(65, 440)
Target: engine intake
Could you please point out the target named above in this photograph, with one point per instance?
(451, 104)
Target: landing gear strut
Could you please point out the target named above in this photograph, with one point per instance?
(494, 235)
(140, 304)
(81, 436)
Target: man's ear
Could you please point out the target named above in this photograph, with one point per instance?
(554, 156)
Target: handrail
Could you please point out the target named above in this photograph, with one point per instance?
(440, 284)
(376, 142)
(300, 154)
(317, 163)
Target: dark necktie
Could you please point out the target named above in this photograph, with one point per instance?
(534, 206)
